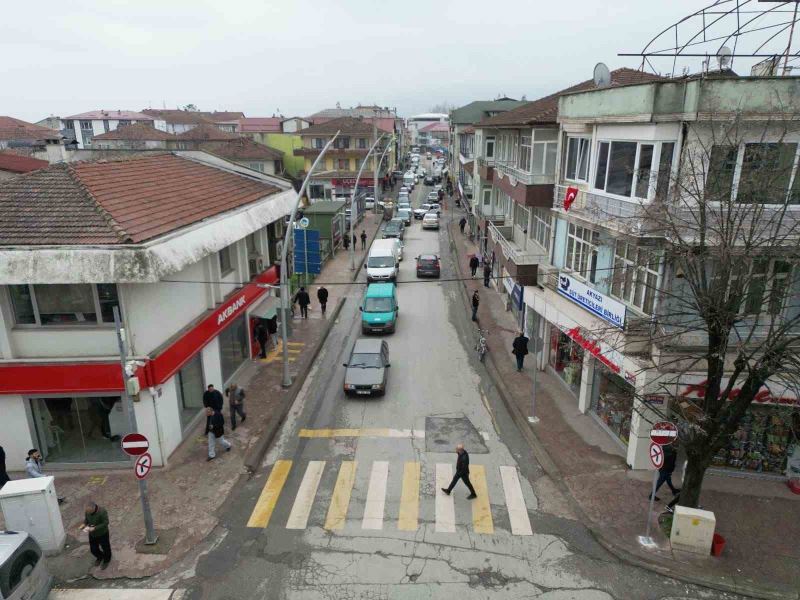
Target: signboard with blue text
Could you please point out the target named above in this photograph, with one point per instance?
(608, 309)
(307, 254)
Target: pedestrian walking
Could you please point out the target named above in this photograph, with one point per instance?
(303, 299)
(236, 403)
(363, 239)
(462, 473)
(322, 297)
(4, 478)
(473, 264)
(667, 469)
(33, 467)
(272, 329)
(261, 334)
(95, 523)
(355, 241)
(346, 242)
(461, 224)
(520, 349)
(487, 274)
(475, 302)
(215, 430)
(212, 399)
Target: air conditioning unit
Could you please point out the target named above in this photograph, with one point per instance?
(255, 263)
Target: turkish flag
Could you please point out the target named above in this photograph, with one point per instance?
(569, 197)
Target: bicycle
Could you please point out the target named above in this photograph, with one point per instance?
(480, 346)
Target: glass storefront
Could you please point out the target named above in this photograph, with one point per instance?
(566, 358)
(190, 388)
(233, 348)
(80, 429)
(612, 401)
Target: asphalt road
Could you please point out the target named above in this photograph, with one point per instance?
(357, 513)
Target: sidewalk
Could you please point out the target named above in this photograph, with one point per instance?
(186, 495)
(759, 519)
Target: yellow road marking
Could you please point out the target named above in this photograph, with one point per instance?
(270, 494)
(481, 509)
(367, 432)
(295, 343)
(409, 498)
(340, 499)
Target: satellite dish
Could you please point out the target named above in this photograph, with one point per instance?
(724, 57)
(602, 76)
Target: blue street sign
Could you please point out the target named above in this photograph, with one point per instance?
(307, 251)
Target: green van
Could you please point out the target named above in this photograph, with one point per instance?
(379, 309)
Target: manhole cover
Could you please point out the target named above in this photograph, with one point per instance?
(444, 433)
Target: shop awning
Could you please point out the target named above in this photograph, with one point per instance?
(267, 308)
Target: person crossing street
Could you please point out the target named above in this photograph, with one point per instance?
(462, 473)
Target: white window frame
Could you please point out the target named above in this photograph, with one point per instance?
(490, 140)
(578, 158)
(70, 324)
(541, 230)
(230, 252)
(580, 253)
(644, 276)
(768, 288)
(654, 167)
(522, 163)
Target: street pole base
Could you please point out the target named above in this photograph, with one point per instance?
(533, 420)
(152, 541)
(646, 541)
(286, 384)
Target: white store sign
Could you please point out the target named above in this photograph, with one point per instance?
(608, 309)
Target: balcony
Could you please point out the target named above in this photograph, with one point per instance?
(515, 173)
(485, 168)
(332, 151)
(465, 156)
(628, 216)
(524, 188)
(521, 263)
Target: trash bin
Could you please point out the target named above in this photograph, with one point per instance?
(717, 545)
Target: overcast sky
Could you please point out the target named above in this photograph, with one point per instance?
(300, 56)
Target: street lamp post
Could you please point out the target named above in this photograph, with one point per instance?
(287, 379)
(352, 204)
(380, 161)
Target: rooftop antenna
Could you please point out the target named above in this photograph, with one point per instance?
(724, 58)
(602, 76)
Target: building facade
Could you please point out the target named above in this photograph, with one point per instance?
(84, 127)
(179, 243)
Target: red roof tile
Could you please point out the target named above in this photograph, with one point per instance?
(179, 117)
(130, 115)
(118, 202)
(16, 129)
(206, 133)
(138, 131)
(347, 125)
(260, 125)
(20, 164)
(242, 149)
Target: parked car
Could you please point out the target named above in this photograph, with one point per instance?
(366, 368)
(379, 308)
(369, 203)
(430, 221)
(405, 188)
(421, 171)
(420, 212)
(433, 197)
(405, 214)
(395, 229)
(428, 265)
(429, 180)
(427, 155)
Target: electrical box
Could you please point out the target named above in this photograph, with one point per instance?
(134, 387)
(693, 530)
(31, 505)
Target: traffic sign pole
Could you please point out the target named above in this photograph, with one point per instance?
(150, 536)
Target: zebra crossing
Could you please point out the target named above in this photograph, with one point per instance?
(380, 512)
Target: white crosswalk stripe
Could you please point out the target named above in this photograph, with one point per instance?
(515, 502)
(298, 518)
(376, 496)
(445, 507)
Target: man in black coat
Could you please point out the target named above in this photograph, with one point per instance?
(487, 274)
(322, 296)
(520, 349)
(667, 469)
(212, 398)
(461, 224)
(303, 299)
(4, 478)
(272, 328)
(473, 264)
(261, 334)
(462, 473)
(476, 301)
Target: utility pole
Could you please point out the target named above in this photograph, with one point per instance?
(533, 419)
(353, 200)
(287, 378)
(376, 166)
(150, 536)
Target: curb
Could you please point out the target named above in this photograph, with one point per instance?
(551, 469)
(256, 453)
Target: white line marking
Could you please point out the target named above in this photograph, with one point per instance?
(136, 444)
(445, 507)
(376, 496)
(515, 502)
(114, 594)
(298, 518)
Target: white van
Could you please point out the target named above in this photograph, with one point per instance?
(408, 179)
(390, 244)
(383, 261)
(23, 575)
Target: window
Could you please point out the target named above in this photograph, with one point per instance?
(627, 168)
(106, 126)
(63, 304)
(520, 216)
(664, 169)
(256, 166)
(190, 388)
(544, 158)
(343, 164)
(317, 143)
(721, 168)
(769, 281)
(644, 171)
(341, 143)
(225, 261)
(577, 163)
(69, 125)
(541, 227)
(635, 276)
(124, 122)
(233, 347)
(487, 196)
(766, 169)
(490, 147)
(362, 143)
(86, 125)
(524, 162)
(582, 251)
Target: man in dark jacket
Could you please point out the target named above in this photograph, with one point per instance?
(95, 523)
(215, 430)
(261, 334)
(272, 328)
(487, 274)
(363, 239)
(461, 224)
(667, 469)
(355, 242)
(4, 478)
(520, 349)
(212, 398)
(303, 299)
(475, 303)
(322, 297)
(473, 265)
(462, 473)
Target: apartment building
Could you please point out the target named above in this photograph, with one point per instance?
(180, 243)
(84, 127)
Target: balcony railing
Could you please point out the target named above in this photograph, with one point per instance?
(504, 235)
(514, 172)
(626, 215)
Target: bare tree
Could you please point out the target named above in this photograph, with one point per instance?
(443, 107)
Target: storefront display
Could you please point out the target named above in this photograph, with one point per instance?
(612, 402)
(566, 358)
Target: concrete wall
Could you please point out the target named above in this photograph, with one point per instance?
(286, 143)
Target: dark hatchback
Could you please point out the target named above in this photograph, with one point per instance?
(428, 265)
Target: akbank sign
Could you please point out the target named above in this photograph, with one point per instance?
(608, 309)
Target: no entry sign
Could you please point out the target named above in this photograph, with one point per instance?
(656, 455)
(663, 433)
(135, 444)
(143, 465)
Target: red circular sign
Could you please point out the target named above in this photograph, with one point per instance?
(143, 465)
(135, 444)
(656, 455)
(664, 433)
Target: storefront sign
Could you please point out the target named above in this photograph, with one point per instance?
(606, 308)
(771, 393)
(351, 181)
(654, 399)
(597, 350)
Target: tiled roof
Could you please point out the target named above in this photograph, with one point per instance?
(545, 110)
(118, 202)
(16, 129)
(358, 111)
(480, 109)
(178, 117)
(224, 115)
(206, 132)
(111, 114)
(260, 125)
(137, 131)
(20, 164)
(347, 125)
(435, 127)
(242, 149)
(468, 129)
